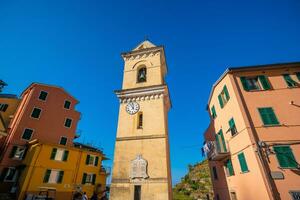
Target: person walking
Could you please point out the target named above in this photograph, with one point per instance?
(84, 196)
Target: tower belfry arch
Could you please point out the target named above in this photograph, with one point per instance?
(141, 167)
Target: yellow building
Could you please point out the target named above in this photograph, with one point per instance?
(8, 106)
(62, 169)
(141, 168)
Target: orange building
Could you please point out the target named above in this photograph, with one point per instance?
(253, 140)
(46, 113)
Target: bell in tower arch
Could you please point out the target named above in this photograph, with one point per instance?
(142, 75)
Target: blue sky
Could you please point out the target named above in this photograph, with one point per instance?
(77, 45)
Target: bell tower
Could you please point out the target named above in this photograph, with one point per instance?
(141, 167)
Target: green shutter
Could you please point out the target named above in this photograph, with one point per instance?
(53, 153)
(3, 174)
(268, 116)
(94, 179)
(243, 163)
(285, 157)
(65, 156)
(213, 112)
(13, 151)
(223, 140)
(289, 81)
(244, 83)
(264, 82)
(47, 175)
(231, 123)
(221, 101)
(60, 176)
(96, 160)
(298, 75)
(87, 160)
(229, 167)
(218, 143)
(226, 93)
(83, 178)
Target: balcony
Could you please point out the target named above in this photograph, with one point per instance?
(217, 152)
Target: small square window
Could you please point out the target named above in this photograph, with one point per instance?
(67, 104)
(36, 113)
(10, 174)
(27, 134)
(68, 122)
(63, 140)
(43, 95)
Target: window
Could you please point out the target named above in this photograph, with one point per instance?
(295, 195)
(140, 121)
(59, 154)
(298, 75)
(220, 142)
(232, 127)
(17, 152)
(255, 83)
(67, 104)
(36, 113)
(142, 75)
(214, 169)
(8, 174)
(3, 107)
(53, 176)
(91, 160)
(43, 95)
(289, 81)
(63, 140)
(137, 192)
(229, 168)
(27, 134)
(68, 122)
(88, 178)
(285, 157)
(213, 112)
(243, 163)
(233, 196)
(223, 97)
(268, 116)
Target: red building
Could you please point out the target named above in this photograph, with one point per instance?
(46, 113)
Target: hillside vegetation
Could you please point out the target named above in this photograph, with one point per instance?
(196, 185)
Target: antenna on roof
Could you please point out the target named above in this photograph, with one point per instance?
(146, 37)
(2, 85)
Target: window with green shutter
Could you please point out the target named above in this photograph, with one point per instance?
(229, 168)
(243, 163)
(53, 153)
(47, 176)
(65, 155)
(289, 81)
(60, 176)
(83, 178)
(298, 75)
(223, 97)
(264, 82)
(253, 83)
(93, 179)
(221, 137)
(63, 140)
(285, 157)
(213, 112)
(268, 116)
(232, 127)
(87, 160)
(96, 161)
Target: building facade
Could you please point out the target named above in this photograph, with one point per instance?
(63, 169)
(44, 112)
(141, 167)
(253, 140)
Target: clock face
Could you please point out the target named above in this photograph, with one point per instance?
(132, 108)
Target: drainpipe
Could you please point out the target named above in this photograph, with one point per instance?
(272, 190)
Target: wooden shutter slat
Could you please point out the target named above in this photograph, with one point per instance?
(244, 83)
(264, 81)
